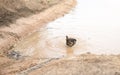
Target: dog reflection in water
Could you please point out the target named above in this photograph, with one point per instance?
(70, 41)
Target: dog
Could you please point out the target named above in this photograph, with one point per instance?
(70, 41)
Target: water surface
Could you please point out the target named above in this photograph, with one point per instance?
(94, 23)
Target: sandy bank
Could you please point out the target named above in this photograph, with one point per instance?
(78, 65)
(86, 64)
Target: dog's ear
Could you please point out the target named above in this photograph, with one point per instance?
(66, 37)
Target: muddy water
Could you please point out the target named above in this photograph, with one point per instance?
(95, 25)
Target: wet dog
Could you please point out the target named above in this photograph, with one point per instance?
(70, 41)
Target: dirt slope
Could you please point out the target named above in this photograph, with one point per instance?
(86, 64)
(15, 9)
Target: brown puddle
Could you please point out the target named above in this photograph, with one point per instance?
(42, 44)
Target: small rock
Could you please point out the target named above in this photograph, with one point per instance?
(14, 55)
